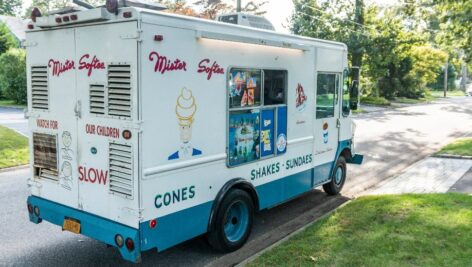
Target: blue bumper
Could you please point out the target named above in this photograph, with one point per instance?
(91, 225)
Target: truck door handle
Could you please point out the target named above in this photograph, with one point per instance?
(78, 109)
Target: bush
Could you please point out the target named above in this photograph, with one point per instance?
(13, 75)
(372, 100)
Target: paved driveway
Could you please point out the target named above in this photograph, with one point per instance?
(14, 118)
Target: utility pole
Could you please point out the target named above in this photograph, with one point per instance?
(238, 7)
(445, 78)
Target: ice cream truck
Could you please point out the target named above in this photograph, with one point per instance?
(149, 129)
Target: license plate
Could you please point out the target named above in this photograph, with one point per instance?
(71, 226)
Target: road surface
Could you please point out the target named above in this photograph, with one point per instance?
(14, 118)
(391, 140)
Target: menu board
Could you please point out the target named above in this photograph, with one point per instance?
(244, 88)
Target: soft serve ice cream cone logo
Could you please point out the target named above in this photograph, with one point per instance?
(185, 110)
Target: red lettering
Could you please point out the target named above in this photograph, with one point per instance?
(164, 64)
(215, 68)
(81, 173)
(89, 66)
(102, 177)
(94, 172)
(58, 67)
(48, 124)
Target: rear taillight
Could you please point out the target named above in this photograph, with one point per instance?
(152, 223)
(119, 240)
(30, 26)
(129, 244)
(30, 208)
(36, 211)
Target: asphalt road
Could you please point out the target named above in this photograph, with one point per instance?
(391, 140)
(14, 118)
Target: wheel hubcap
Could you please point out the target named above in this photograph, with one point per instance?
(339, 175)
(237, 220)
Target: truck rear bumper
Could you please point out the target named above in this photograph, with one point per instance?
(91, 225)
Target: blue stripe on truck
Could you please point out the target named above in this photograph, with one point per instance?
(91, 225)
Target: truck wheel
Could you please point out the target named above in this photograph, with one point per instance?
(338, 178)
(233, 222)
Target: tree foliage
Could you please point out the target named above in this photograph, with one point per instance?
(10, 7)
(6, 39)
(13, 75)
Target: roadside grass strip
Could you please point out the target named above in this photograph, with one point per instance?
(13, 148)
(461, 147)
(10, 103)
(386, 230)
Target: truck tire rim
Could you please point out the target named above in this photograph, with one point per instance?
(339, 175)
(237, 220)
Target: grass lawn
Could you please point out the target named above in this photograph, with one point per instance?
(10, 103)
(461, 147)
(359, 111)
(13, 148)
(449, 93)
(391, 230)
(372, 100)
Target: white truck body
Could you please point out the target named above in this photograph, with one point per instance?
(132, 120)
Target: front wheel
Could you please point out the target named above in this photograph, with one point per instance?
(233, 222)
(338, 178)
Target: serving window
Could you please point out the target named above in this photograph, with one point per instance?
(257, 114)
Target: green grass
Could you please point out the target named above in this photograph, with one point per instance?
(10, 103)
(392, 230)
(461, 147)
(372, 100)
(438, 94)
(13, 148)
(359, 111)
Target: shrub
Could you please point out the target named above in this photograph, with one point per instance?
(13, 75)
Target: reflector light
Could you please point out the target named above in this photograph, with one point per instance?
(153, 223)
(30, 208)
(158, 38)
(112, 6)
(35, 13)
(127, 134)
(73, 17)
(65, 18)
(119, 240)
(58, 20)
(129, 244)
(30, 26)
(36, 211)
(127, 14)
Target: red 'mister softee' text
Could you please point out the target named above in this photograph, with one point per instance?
(60, 67)
(95, 64)
(92, 175)
(163, 64)
(214, 68)
(48, 124)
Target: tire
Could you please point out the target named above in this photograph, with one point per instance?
(233, 222)
(338, 177)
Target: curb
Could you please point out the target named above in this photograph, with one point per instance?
(255, 256)
(450, 156)
(9, 169)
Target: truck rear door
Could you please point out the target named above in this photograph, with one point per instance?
(52, 110)
(106, 57)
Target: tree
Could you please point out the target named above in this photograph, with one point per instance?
(13, 75)
(212, 8)
(10, 7)
(6, 39)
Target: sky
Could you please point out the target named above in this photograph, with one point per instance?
(278, 11)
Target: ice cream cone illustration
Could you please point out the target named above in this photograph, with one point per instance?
(185, 109)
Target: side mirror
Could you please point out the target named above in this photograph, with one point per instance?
(354, 92)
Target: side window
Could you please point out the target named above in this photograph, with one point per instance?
(326, 95)
(346, 107)
(257, 115)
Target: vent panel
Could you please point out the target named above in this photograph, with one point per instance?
(119, 90)
(45, 156)
(39, 87)
(97, 99)
(121, 172)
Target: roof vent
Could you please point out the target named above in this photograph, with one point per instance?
(247, 20)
